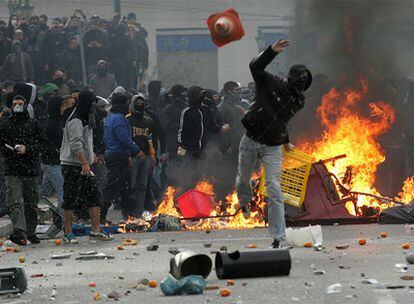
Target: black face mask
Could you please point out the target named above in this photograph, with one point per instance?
(139, 110)
(59, 81)
(102, 71)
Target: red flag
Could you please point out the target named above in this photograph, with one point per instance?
(225, 27)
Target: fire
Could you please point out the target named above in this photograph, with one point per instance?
(167, 206)
(350, 131)
(407, 194)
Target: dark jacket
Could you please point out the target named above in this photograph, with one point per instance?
(117, 136)
(275, 104)
(171, 124)
(20, 129)
(54, 133)
(158, 136)
(141, 131)
(195, 123)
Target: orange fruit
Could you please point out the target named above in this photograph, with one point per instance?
(152, 284)
(225, 292)
(230, 282)
(92, 284)
(406, 246)
(17, 249)
(362, 241)
(9, 249)
(58, 242)
(383, 235)
(22, 259)
(252, 246)
(120, 248)
(308, 245)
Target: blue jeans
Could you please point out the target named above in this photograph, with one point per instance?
(52, 178)
(250, 153)
(139, 180)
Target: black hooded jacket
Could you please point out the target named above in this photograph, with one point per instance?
(21, 129)
(54, 133)
(195, 123)
(275, 104)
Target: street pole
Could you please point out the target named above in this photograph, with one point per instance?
(117, 6)
(82, 50)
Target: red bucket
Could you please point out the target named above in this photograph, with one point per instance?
(194, 203)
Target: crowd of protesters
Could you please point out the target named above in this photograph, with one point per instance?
(105, 141)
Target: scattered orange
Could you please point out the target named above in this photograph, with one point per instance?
(383, 235)
(17, 249)
(225, 292)
(152, 284)
(362, 241)
(9, 249)
(58, 242)
(308, 245)
(120, 248)
(230, 282)
(406, 246)
(92, 284)
(252, 246)
(22, 259)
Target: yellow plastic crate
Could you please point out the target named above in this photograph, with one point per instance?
(296, 167)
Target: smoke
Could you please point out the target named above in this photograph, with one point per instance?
(364, 38)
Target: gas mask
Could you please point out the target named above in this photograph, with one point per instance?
(18, 109)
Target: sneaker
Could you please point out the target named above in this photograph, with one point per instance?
(100, 236)
(33, 239)
(18, 239)
(281, 245)
(70, 238)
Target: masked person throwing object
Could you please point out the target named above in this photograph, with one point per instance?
(276, 102)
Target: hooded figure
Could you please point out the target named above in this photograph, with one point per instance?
(171, 117)
(86, 108)
(102, 82)
(195, 123)
(17, 66)
(277, 100)
(21, 139)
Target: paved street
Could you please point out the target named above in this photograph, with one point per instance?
(375, 260)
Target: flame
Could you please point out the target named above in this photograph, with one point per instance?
(407, 194)
(167, 205)
(348, 129)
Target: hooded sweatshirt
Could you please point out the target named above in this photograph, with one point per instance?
(195, 122)
(77, 134)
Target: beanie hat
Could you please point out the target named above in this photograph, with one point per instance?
(48, 88)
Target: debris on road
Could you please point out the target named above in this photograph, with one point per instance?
(88, 252)
(341, 246)
(207, 245)
(369, 281)
(225, 292)
(319, 272)
(152, 284)
(22, 259)
(97, 296)
(406, 246)
(407, 277)
(334, 288)
(362, 242)
(61, 256)
(120, 247)
(230, 282)
(189, 285)
(212, 287)
(410, 258)
(402, 267)
(223, 248)
(308, 245)
(152, 247)
(190, 263)
(144, 282)
(98, 256)
(251, 246)
(383, 235)
(114, 295)
(92, 284)
(58, 242)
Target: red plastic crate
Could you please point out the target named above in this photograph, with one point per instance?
(194, 203)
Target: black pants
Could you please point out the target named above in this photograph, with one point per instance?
(118, 185)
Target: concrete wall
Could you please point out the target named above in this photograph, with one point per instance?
(232, 59)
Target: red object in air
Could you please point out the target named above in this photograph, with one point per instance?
(194, 204)
(225, 27)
